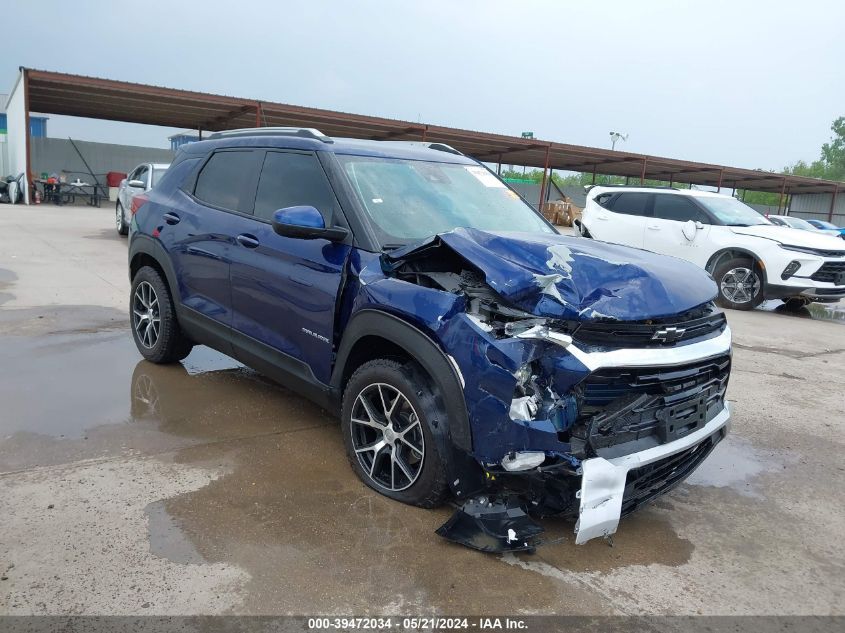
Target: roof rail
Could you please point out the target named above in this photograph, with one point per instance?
(587, 188)
(440, 147)
(305, 132)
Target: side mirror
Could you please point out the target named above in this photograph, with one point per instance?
(137, 184)
(305, 222)
(699, 225)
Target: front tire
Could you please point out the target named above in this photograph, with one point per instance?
(120, 220)
(389, 410)
(154, 327)
(740, 284)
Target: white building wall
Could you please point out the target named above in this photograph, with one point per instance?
(4, 157)
(17, 133)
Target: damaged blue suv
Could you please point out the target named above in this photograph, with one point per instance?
(471, 351)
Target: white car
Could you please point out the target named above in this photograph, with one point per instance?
(750, 258)
(799, 223)
(141, 179)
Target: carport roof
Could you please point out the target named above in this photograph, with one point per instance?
(76, 95)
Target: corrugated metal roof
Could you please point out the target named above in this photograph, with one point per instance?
(76, 95)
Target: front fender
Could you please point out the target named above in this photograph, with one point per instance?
(443, 371)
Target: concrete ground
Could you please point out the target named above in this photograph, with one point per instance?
(202, 488)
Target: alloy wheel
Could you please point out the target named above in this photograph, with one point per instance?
(118, 215)
(387, 437)
(146, 316)
(740, 285)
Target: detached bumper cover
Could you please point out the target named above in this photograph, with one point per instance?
(603, 483)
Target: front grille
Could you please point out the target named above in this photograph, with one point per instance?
(829, 272)
(606, 385)
(647, 482)
(662, 404)
(619, 334)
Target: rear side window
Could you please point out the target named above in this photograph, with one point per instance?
(178, 174)
(603, 198)
(227, 180)
(290, 179)
(631, 203)
(678, 208)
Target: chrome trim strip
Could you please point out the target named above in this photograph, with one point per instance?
(657, 356)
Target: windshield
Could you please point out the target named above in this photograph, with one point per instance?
(732, 212)
(824, 225)
(798, 223)
(409, 200)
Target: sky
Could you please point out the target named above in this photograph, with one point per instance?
(750, 84)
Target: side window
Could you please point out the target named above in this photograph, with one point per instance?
(631, 203)
(227, 180)
(143, 175)
(673, 207)
(289, 179)
(603, 199)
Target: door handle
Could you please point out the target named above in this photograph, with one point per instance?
(247, 240)
(653, 227)
(171, 218)
(602, 217)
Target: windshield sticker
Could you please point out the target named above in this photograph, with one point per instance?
(485, 177)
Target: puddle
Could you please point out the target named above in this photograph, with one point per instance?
(818, 311)
(166, 538)
(643, 538)
(73, 396)
(62, 385)
(735, 463)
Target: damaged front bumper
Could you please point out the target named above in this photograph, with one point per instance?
(657, 413)
(606, 484)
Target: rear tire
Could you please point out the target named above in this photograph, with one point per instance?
(389, 409)
(153, 317)
(740, 283)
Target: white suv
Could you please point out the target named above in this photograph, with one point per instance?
(749, 257)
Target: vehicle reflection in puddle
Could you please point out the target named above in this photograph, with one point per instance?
(818, 311)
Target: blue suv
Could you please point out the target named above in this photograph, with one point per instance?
(470, 350)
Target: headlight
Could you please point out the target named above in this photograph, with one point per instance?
(523, 375)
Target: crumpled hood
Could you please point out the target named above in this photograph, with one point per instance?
(573, 278)
(792, 237)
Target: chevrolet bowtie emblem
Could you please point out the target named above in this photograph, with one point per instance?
(669, 334)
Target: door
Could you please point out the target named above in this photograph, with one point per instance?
(622, 220)
(678, 227)
(285, 290)
(199, 231)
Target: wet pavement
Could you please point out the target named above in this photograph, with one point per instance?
(204, 488)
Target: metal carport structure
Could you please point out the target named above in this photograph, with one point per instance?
(76, 95)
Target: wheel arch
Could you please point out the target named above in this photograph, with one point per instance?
(734, 251)
(144, 251)
(374, 334)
